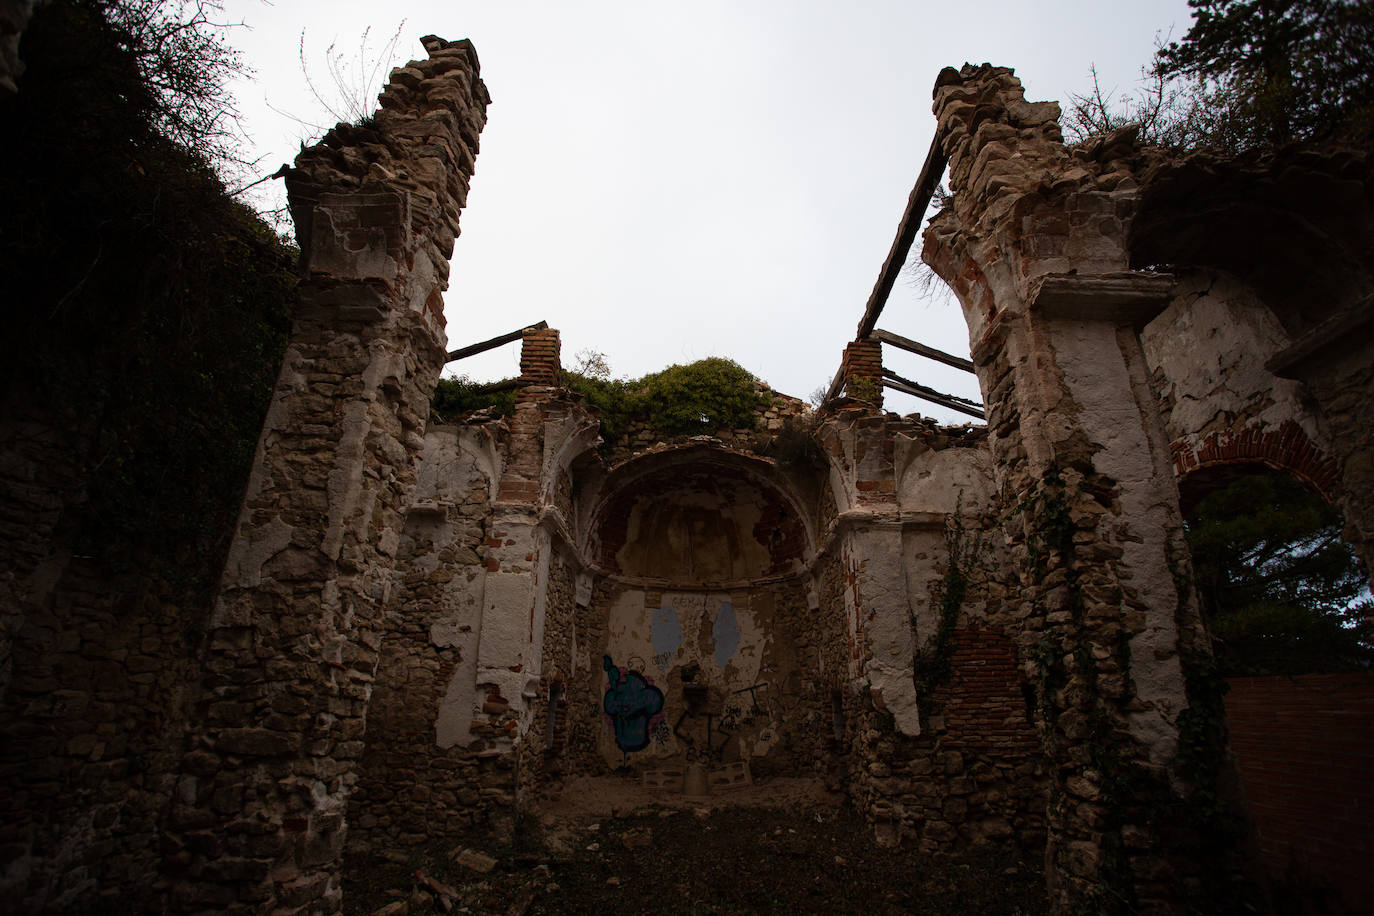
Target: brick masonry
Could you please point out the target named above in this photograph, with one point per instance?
(862, 365)
(1304, 747)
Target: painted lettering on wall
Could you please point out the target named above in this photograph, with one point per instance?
(633, 704)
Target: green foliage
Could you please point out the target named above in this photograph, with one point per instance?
(154, 309)
(709, 394)
(1287, 69)
(460, 394)
(1249, 74)
(863, 389)
(1281, 592)
(700, 397)
(795, 446)
(614, 398)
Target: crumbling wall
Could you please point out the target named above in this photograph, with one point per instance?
(1220, 402)
(964, 768)
(417, 778)
(1034, 246)
(1296, 228)
(293, 648)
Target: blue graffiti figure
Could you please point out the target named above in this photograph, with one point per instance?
(633, 704)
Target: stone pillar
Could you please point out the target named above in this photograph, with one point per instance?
(259, 820)
(862, 365)
(876, 601)
(1033, 245)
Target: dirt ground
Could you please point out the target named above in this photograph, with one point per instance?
(607, 846)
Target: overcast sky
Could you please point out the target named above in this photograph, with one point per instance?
(665, 182)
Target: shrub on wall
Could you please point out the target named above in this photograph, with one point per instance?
(706, 395)
(460, 395)
(701, 397)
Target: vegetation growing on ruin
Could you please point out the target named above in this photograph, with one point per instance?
(701, 397)
(1249, 74)
(149, 309)
(458, 395)
(1281, 590)
(712, 393)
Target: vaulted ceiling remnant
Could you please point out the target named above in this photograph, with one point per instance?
(698, 516)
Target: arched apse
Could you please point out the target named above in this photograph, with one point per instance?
(699, 641)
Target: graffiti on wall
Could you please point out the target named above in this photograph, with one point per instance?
(633, 704)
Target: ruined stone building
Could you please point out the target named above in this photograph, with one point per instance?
(979, 633)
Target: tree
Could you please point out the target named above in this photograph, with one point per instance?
(1281, 592)
(186, 64)
(1273, 71)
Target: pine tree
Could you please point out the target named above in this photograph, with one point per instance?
(1281, 591)
(1280, 70)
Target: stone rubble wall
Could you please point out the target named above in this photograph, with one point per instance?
(260, 819)
(94, 715)
(1034, 246)
(477, 629)
(975, 776)
(418, 776)
(959, 764)
(539, 762)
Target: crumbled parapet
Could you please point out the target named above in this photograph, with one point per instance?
(403, 174)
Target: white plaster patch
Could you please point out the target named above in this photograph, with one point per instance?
(1112, 418)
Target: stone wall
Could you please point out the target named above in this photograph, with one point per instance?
(293, 648)
(974, 776)
(96, 706)
(418, 776)
(1034, 246)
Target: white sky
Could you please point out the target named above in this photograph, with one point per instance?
(665, 182)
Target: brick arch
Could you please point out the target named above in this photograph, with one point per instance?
(1285, 447)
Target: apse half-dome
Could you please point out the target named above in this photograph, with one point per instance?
(702, 517)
